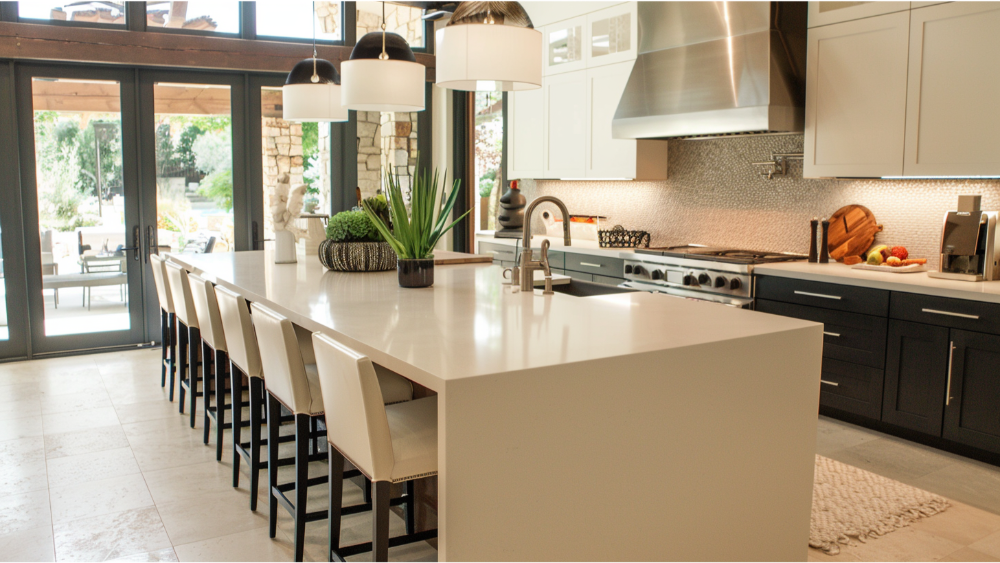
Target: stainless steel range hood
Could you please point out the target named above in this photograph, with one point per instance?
(711, 68)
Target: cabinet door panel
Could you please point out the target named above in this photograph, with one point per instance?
(856, 98)
(916, 371)
(972, 413)
(526, 140)
(952, 116)
(612, 35)
(825, 13)
(607, 157)
(566, 125)
(851, 387)
(564, 44)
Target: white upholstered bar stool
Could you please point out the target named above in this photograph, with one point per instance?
(215, 359)
(168, 324)
(188, 336)
(290, 380)
(388, 443)
(244, 360)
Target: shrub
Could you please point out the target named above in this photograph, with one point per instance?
(352, 226)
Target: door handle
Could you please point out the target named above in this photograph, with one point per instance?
(951, 360)
(136, 247)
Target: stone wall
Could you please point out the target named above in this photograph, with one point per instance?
(282, 146)
(386, 139)
(403, 20)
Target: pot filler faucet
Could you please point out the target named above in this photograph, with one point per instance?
(528, 266)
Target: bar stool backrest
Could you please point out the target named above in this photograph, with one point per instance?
(240, 338)
(180, 291)
(159, 280)
(356, 422)
(282, 361)
(207, 308)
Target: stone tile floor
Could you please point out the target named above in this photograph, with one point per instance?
(95, 464)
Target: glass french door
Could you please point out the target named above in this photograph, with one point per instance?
(80, 197)
(192, 131)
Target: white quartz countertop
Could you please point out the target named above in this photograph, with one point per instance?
(918, 282)
(468, 324)
(556, 243)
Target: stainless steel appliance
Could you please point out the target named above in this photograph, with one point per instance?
(711, 68)
(969, 243)
(699, 272)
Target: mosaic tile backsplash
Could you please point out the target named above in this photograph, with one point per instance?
(715, 197)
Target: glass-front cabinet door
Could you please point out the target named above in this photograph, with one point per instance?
(825, 12)
(612, 35)
(81, 207)
(564, 46)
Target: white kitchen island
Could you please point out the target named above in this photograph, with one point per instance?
(624, 427)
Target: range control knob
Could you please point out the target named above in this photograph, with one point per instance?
(735, 283)
(656, 275)
(628, 268)
(721, 281)
(704, 279)
(689, 280)
(638, 270)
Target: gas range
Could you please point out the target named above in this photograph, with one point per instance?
(700, 272)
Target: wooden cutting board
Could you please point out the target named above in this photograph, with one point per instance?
(852, 231)
(445, 257)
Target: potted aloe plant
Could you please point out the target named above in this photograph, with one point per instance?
(414, 234)
(353, 244)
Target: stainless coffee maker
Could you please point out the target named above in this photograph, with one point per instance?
(969, 243)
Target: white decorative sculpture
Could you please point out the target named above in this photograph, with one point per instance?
(286, 206)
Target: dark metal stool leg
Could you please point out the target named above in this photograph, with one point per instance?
(258, 405)
(336, 484)
(208, 387)
(164, 346)
(380, 520)
(221, 361)
(194, 370)
(410, 509)
(303, 435)
(237, 387)
(273, 421)
(172, 334)
(184, 367)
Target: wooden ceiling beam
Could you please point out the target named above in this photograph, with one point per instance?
(27, 41)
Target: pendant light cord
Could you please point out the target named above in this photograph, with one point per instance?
(315, 76)
(383, 56)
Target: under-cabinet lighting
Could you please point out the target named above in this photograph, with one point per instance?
(941, 177)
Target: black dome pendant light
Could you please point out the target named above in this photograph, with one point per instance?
(312, 90)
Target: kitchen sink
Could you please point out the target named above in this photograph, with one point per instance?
(581, 288)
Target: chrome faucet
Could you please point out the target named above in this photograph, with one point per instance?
(528, 266)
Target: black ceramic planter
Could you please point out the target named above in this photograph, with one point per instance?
(415, 273)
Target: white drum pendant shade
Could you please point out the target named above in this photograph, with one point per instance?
(302, 99)
(389, 85)
(488, 57)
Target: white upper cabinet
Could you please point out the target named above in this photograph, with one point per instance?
(612, 35)
(953, 101)
(914, 5)
(856, 97)
(566, 127)
(826, 13)
(525, 134)
(607, 157)
(564, 46)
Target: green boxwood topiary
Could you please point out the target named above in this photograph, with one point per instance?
(352, 226)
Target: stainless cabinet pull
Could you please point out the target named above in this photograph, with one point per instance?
(591, 265)
(837, 297)
(951, 359)
(831, 334)
(950, 314)
(825, 382)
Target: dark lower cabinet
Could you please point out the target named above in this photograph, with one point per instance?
(916, 373)
(972, 414)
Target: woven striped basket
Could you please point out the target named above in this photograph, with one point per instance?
(357, 256)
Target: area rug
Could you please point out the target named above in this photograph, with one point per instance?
(853, 504)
